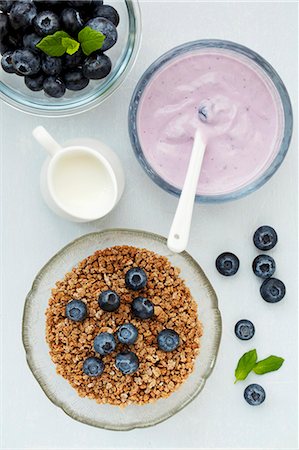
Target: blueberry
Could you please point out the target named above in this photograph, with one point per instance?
(4, 47)
(168, 340)
(227, 264)
(142, 308)
(108, 12)
(93, 367)
(75, 80)
(22, 14)
(107, 28)
(26, 62)
(254, 394)
(136, 278)
(265, 238)
(71, 21)
(127, 334)
(97, 66)
(127, 362)
(3, 25)
(30, 41)
(51, 65)
(6, 62)
(73, 61)
(76, 310)
(263, 266)
(244, 329)
(54, 87)
(272, 290)
(46, 22)
(109, 301)
(5, 5)
(104, 343)
(79, 3)
(13, 41)
(36, 82)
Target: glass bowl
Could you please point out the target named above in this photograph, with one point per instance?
(265, 70)
(123, 54)
(59, 391)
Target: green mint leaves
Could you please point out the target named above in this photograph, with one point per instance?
(248, 362)
(59, 43)
(90, 40)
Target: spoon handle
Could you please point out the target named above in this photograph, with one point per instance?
(179, 231)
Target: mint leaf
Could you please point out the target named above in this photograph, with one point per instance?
(52, 44)
(70, 45)
(245, 365)
(91, 40)
(268, 365)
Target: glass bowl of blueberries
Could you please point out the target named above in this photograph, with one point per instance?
(60, 58)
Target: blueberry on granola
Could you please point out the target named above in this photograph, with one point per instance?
(109, 301)
(142, 308)
(168, 340)
(127, 362)
(136, 278)
(127, 334)
(76, 310)
(104, 343)
(93, 366)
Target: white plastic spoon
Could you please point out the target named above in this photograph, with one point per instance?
(180, 228)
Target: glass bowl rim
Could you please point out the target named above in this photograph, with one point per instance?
(269, 71)
(35, 371)
(93, 99)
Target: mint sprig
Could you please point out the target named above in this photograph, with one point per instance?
(269, 364)
(248, 362)
(59, 43)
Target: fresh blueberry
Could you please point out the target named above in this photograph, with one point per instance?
(265, 238)
(22, 14)
(109, 301)
(13, 40)
(71, 21)
(54, 87)
(168, 340)
(127, 362)
(73, 61)
(272, 290)
(107, 28)
(75, 80)
(26, 62)
(104, 343)
(96, 3)
(108, 12)
(5, 5)
(54, 5)
(76, 310)
(36, 82)
(254, 394)
(136, 278)
(93, 367)
(30, 41)
(46, 22)
(142, 308)
(244, 329)
(127, 334)
(3, 25)
(263, 266)
(97, 66)
(6, 62)
(227, 264)
(51, 65)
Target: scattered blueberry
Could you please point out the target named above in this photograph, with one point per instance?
(136, 279)
(5, 5)
(244, 329)
(71, 21)
(30, 41)
(36, 82)
(72, 61)
(46, 22)
(127, 362)
(168, 340)
(109, 301)
(265, 238)
(107, 28)
(142, 308)
(127, 334)
(75, 80)
(254, 394)
(227, 264)
(6, 62)
(54, 87)
(108, 12)
(22, 14)
(97, 66)
(76, 310)
(272, 290)
(104, 343)
(263, 266)
(93, 367)
(26, 62)
(51, 65)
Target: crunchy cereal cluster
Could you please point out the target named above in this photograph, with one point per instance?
(160, 373)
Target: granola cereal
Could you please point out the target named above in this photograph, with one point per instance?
(160, 373)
